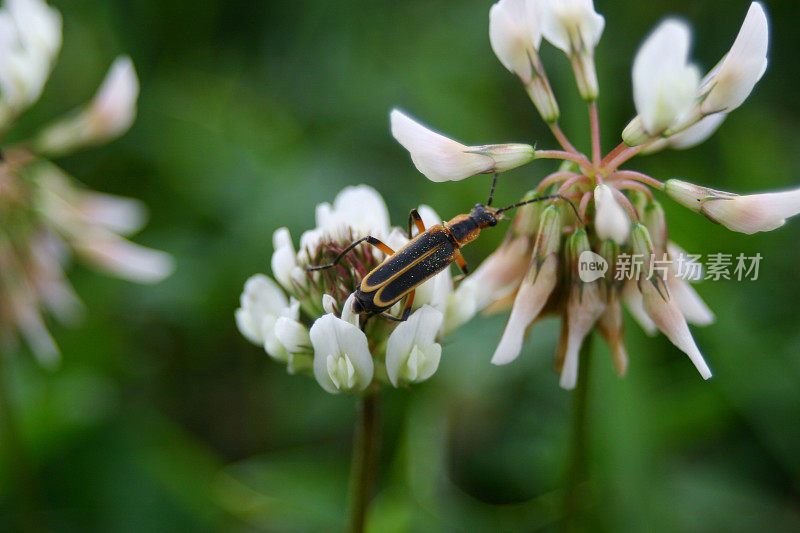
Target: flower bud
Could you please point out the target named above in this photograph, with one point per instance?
(284, 258)
(442, 159)
(611, 221)
(526, 220)
(656, 222)
(611, 326)
(412, 353)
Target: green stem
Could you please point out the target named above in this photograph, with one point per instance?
(576, 469)
(17, 462)
(365, 451)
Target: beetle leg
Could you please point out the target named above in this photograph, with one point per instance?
(406, 309)
(462, 264)
(414, 216)
(369, 239)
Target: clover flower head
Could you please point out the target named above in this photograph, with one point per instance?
(306, 320)
(573, 254)
(47, 215)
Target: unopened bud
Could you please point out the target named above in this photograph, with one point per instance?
(656, 223)
(526, 220)
(634, 133)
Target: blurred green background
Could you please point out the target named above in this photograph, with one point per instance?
(163, 418)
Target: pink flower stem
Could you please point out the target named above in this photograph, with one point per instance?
(637, 176)
(580, 159)
(594, 119)
(634, 186)
(561, 138)
(555, 177)
(625, 155)
(584, 205)
(623, 200)
(613, 153)
(570, 182)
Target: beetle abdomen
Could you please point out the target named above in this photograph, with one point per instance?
(424, 256)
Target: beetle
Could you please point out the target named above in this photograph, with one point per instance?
(432, 250)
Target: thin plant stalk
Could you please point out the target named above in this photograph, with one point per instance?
(577, 464)
(365, 451)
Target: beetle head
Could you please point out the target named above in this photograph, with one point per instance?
(483, 216)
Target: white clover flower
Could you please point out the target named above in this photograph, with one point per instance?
(611, 221)
(529, 302)
(30, 38)
(342, 362)
(575, 27)
(633, 300)
(262, 303)
(746, 213)
(284, 258)
(696, 133)
(515, 35)
(442, 159)
(731, 81)
(412, 353)
(585, 305)
(611, 327)
(110, 113)
(665, 84)
(60, 216)
(667, 316)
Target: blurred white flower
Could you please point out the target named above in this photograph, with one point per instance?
(442, 159)
(515, 35)
(30, 38)
(575, 27)
(665, 84)
(342, 362)
(731, 81)
(412, 353)
(110, 114)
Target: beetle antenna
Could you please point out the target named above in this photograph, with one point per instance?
(540, 199)
(491, 191)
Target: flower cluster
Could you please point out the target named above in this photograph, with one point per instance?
(536, 269)
(304, 319)
(45, 214)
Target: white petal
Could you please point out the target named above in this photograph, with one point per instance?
(754, 212)
(633, 301)
(584, 308)
(412, 353)
(339, 347)
(261, 297)
(732, 80)
(500, 274)
(611, 220)
(329, 303)
(362, 208)
(436, 156)
(120, 215)
(531, 298)
(697, 133)
(693, 307)
(668, 318)
(125, 259)
(515, 35)
(113, 108)
(348, 315)
(284, 258)
(665, 84)
(293, 335)
(571, 25)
